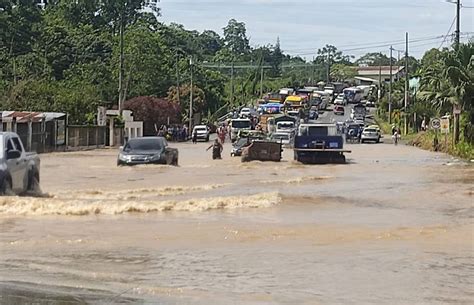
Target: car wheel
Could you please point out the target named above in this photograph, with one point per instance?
(6, 188)
(207, 139)
(33, 183)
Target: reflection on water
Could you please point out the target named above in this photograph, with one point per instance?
(385, 229)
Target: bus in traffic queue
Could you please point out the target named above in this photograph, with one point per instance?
(353, 95)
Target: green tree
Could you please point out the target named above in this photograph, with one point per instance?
(235, 37)
(341, 72)
(375, 59)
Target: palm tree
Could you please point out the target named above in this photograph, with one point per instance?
(460, 75)
(450, 82)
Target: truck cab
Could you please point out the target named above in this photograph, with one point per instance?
(19, 170)
(319, 143)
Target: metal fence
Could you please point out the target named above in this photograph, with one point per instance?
(43, 137)
(84, 137)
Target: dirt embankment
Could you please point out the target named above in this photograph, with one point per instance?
(427, 141)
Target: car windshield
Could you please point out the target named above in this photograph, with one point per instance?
(370, 130)
(200, 129)
(285, 125)
(152, 144)
(241, 142)
(281, 136)
(240, 124)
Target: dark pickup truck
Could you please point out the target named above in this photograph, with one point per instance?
(319, 143)
(147, 150)
(19, 170)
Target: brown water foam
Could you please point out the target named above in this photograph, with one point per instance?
(78, 207)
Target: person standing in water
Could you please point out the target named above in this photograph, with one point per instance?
(195, 136)
(216, 149)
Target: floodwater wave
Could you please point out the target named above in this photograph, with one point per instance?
(79, 207)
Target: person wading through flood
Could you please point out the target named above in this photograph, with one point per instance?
(195, 136)
(216, 149)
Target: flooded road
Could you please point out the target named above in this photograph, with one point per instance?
(394, 226)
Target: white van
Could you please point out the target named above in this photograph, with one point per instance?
(239, 124)
(202, 132)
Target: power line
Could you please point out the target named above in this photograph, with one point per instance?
(449, 31)
(400, 41)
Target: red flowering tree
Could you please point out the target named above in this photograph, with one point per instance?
(153, 112)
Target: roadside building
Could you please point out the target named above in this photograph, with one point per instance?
(39, 131)
(369, 75)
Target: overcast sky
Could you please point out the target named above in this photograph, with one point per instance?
(306, 25)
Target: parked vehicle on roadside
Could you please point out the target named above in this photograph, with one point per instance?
(19, 170)
(202, 132)
(147, 150)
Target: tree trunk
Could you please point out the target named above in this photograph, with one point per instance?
(456, 129)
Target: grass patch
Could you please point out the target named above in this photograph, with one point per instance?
(425, 140)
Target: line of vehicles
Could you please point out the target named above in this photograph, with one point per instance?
(290, 117)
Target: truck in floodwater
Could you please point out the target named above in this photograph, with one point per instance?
(19, 170)
(319, 144)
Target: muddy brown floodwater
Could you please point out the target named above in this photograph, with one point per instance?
(394, 226)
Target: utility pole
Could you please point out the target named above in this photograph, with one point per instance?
(390, 89)
(456, 111)
(261, 81)
(379, 94)
(406, 87)
(458, 24)
(191, 97)
(177, 79)
(121, 69)
(328, 70)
